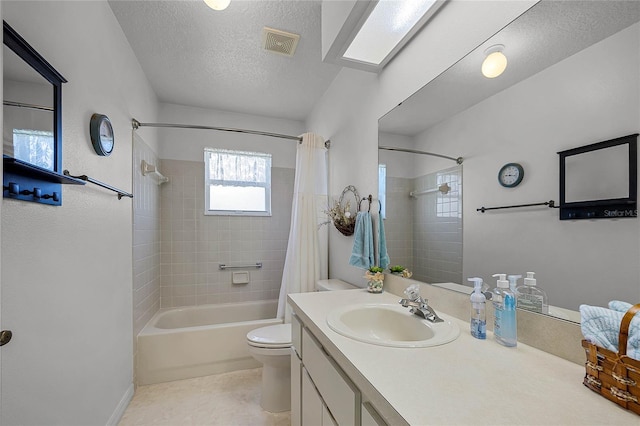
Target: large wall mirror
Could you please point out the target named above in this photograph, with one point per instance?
(571, 80)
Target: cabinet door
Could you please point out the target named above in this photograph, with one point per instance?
(296, 388)
(311, 402)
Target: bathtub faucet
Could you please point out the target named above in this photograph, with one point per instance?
(418, 305)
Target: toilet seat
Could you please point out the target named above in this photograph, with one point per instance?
(271, 337)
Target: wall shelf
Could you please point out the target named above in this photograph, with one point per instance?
(27, 182)
(22, 168)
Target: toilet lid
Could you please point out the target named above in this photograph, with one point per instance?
(273, 336)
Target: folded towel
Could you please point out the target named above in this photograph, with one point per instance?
(382, 257)
(601, 326)
(617, 305)
(362, 254)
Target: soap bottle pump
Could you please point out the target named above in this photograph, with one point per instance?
(504, 306)
(513, 283)
(478, 310)
(531, 297)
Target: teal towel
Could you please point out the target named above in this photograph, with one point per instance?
(382, 257)
(601, 326)
(362, 254)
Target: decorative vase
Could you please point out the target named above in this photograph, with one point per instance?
(375, 286)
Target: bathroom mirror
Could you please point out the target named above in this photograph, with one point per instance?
(571, 80)
(32, 118)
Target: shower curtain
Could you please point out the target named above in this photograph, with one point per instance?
(307, 250)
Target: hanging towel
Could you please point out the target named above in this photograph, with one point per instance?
(617, 305)
(601, 326)
(382, 257)
(362, 253)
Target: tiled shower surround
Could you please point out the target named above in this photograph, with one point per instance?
(146, 237)
(194, 245)
(424, 234)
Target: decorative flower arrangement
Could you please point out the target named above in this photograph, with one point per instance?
(375, 276)
(400, 270)
(342, 218)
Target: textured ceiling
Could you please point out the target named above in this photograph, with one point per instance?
(547, 33)
(193, 55)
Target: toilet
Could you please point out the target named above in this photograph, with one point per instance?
(271, 346)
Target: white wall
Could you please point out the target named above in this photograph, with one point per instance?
(349, 111)
(188, 145)
(67, 271)
(592, 96)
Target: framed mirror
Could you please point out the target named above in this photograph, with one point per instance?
(32, 117)
(571, 80)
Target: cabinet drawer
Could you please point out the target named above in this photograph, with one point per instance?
(296, 334)
(339, 394)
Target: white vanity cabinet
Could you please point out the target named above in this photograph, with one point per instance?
(321, 393)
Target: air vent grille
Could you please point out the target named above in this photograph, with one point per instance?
(280, 42)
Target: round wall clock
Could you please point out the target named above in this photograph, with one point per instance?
(510, 175)
(101, 134)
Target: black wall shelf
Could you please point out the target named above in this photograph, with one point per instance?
(26, 182)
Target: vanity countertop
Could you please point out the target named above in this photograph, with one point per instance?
(467, 381)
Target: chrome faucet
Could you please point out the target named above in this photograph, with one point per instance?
(418, 305)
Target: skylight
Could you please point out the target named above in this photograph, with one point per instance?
(390, 22)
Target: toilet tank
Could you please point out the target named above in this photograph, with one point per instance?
(333, 284)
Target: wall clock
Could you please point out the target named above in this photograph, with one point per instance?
(101, 134)
(510, 175)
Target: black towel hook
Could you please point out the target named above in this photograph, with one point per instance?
(369, 199)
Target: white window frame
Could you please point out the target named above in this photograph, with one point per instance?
(208, 181)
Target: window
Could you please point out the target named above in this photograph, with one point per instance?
(34, 147)
(237, 183)
(382, 189)
(449, 204)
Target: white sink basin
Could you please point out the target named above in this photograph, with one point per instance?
(390, 325)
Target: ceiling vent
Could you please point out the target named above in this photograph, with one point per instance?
(280, 42)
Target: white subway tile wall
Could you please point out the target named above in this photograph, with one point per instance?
(399, 222)
(437, 226)
(193, 245)
(146, 239)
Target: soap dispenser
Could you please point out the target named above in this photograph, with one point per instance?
(504, 306)
(513, 283)
(478, 310)
(530, 297)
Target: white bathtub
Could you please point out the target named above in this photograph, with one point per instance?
(181, 343)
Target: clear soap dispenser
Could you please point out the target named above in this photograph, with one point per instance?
(478, 310)
(531, 297)
(504, 306)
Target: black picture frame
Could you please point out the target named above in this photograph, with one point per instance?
(611, 208)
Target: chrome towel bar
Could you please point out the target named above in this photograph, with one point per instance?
(256, 265)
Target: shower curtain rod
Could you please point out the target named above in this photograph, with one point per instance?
(136, 124)
(415, 151)
(29, 106)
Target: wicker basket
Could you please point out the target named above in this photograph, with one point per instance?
(347, 229)
(614, 375)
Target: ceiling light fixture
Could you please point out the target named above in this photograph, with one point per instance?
(495, 63)
(217, 4)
